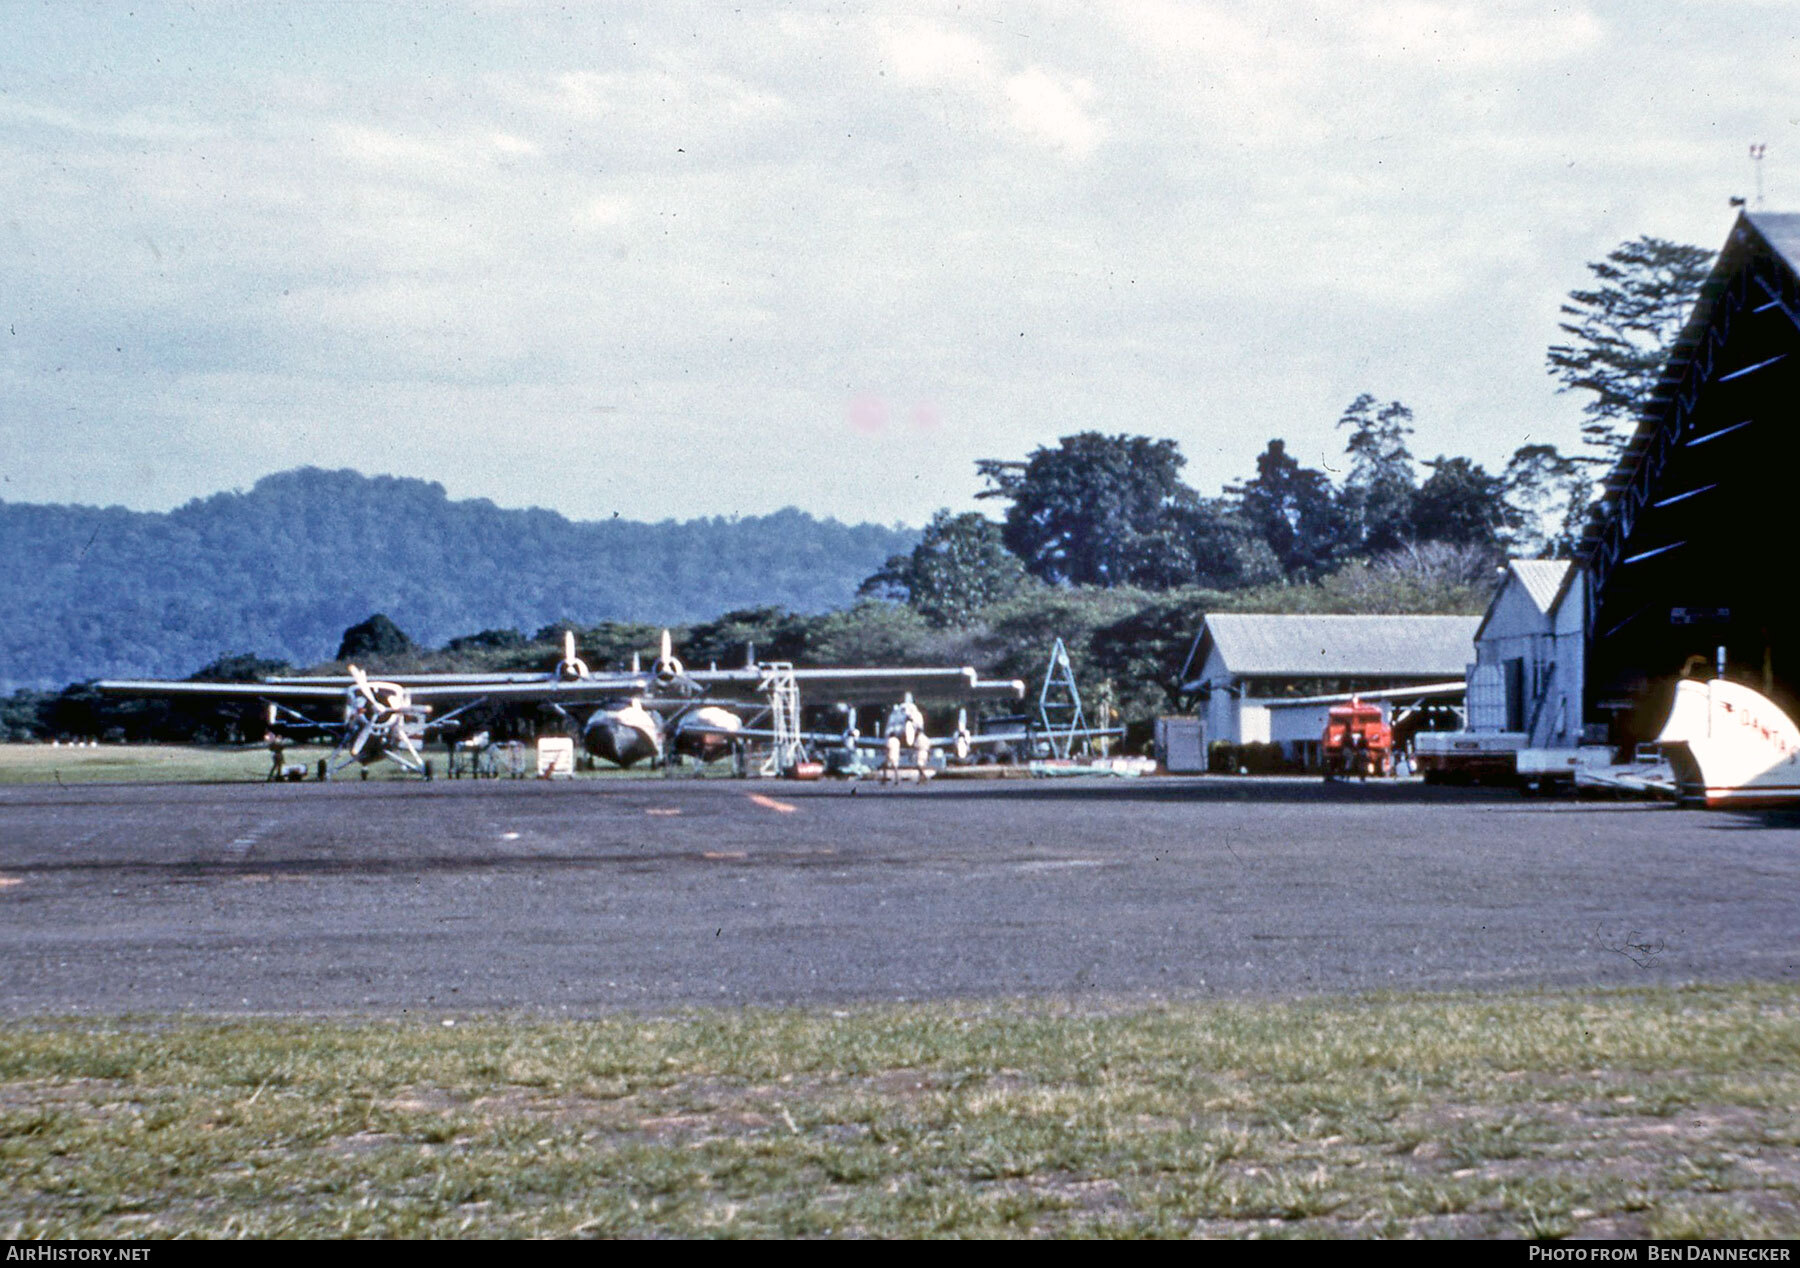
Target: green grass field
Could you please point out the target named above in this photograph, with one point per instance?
(1663, 1112)
(174, 763)
(147, 763)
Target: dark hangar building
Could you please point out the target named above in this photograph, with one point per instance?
(1697, 548)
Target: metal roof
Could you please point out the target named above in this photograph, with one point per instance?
(1258, 645)
(1781, 230)
(1752, 235)
(1542, 579)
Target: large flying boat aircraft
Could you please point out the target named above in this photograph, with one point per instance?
(378, 718)
(630, 716)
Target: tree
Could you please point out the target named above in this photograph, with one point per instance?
(241, 667)
(21, 715)
(1547, 496)
(487, 640)
(1460, 503)
(1378, 492)
(1621, 333)
(1293, 509)
(376, 638)
(773, 633)
(874, 632)
(1211, 543)
(283, 568)
(1420, 577)
(1096, 510)
(960, 566)
(1143, 654)
(1020, 632)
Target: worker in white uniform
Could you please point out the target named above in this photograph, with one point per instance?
(906, 730)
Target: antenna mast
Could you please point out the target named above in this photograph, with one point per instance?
(1757, 150)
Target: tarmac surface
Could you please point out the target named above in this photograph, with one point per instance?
(650, 894)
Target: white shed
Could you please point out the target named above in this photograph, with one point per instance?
(1529, 650)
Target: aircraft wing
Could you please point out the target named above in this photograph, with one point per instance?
(220, 690)
(866, 686)
(592, 690)
(1456, 687)
(417, 680)
(1038, 736)
(878, 741)
(722, 686)
(421, 689)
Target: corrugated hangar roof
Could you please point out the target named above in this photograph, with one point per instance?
(1678, 561)
(1257, 645)
(1781, 230)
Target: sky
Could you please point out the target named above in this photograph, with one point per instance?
(668, 261)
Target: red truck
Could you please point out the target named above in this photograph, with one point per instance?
(1358, 741)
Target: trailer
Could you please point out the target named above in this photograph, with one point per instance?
(1468, 757)
(1559, 769)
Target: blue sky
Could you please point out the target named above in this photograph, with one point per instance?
(675, 261)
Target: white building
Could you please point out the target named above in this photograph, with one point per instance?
(1529, 650)
(1252, 674)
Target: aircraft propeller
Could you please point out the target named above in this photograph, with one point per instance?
(571, 668)
(384, 710)
(669, 671)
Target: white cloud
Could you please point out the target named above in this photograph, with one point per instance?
(1479, 37)
(382, 148)
(1053, 111)
(927, 52)
(705, 234)
(606, 211)
(1030, 102)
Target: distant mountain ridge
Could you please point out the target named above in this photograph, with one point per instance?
(284, 569)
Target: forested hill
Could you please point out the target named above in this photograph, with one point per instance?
(283, 570)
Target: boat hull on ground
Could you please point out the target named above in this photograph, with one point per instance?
(1731, 746)
(624, 735)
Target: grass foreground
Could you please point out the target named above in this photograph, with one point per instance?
(1626, 1114)
(197, 764)
(143, 763)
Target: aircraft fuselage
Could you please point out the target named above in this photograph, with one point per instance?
(708, 733)
(623, 734)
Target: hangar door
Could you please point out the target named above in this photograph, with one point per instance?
(1694, 554)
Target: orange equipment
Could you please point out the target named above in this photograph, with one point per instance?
(1358, 741)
